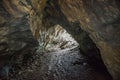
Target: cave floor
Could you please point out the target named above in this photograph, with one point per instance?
(60, 65)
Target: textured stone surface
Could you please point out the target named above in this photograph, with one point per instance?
(93, 23)
(55, 38)
(99, 18)
(66, 64)
(50, 15)
(15, 34)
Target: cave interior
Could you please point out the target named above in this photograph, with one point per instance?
(59, 40)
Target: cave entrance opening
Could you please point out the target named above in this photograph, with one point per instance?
(56, 38)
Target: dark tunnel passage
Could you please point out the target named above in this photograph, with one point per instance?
(57, 58)
(59, 40)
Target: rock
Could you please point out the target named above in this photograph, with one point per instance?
(4, 71)
(94, 24)
(101, 20)
(98, 18)
(15, 34)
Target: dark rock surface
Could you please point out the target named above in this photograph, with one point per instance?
(99, 18)
(66, 64)
(97, 29)
(15, 35)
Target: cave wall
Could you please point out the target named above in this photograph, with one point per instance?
(15, 35)
(99, 18)
(51, 15)
(93, 23)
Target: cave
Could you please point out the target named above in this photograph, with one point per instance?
(59, 40)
